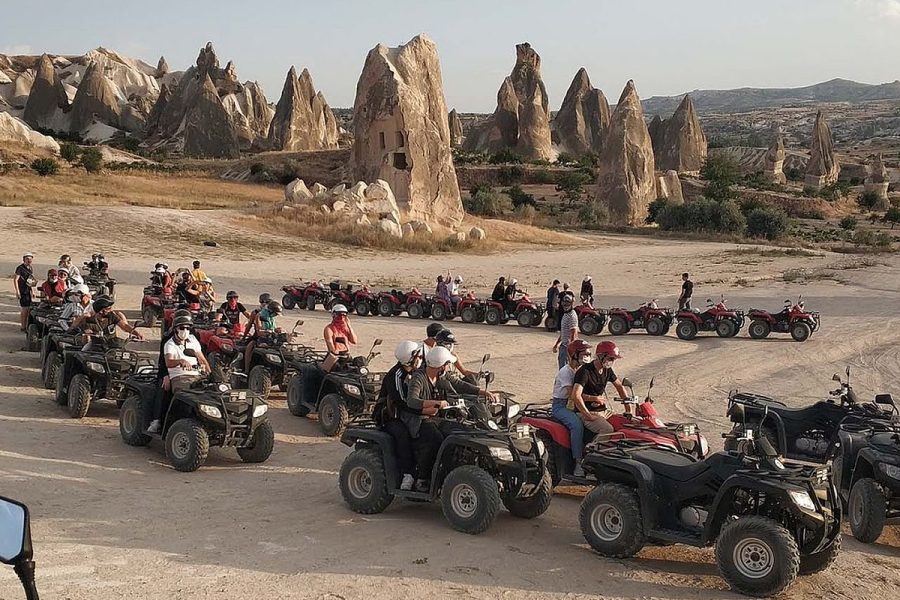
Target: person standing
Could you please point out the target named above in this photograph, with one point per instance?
(587, 291)
(687, 290)
(568, 328)
(553, 302)
(23, 281)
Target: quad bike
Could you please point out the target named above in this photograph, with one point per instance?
(98, 280)
(590, 320)
(270, 361)
(641, 425)
(494, 312)
(348, 390)
(155, 302)
(717, 317)
(648, 316)
(340, 292)
(365, 302)
(418, 305)
(306, 296)
(15, 523)
(796, 320)
(468, 308)
(40, 319)
(528, 313)
(480, 464)
(53, 345)
(393, 303)
(208, 414)
(809, 433)
(768, 520)
(222, 346)
(201, 319)
(88, 376)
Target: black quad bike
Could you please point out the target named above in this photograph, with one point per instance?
(347, 391)
(270, 360)
(52, 346)
(100, 374)
(211, 413)
(480, 465)
(769, 521)
(40, 319)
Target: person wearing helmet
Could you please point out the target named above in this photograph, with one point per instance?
(201, 292)
(568, 327)
(184, 369)
(181, 288)
(392, 399)
(577, 353)
(589, 392)
(23, 283)
(64, 283)
(78, 301)
(338, 335)
(102, 323)
(65, 262)
(587, 291)
(431, 331)
(262, 327)
(446, 339)
(231, 310)
(509, 296)
(52, 290)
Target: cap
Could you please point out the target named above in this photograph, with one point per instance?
(28, 255)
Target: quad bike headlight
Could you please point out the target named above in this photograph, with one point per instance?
(363, 371)
(210, 411)
(273, 358)
(892, 471)
(542, 449)
(801, 498)
(352, 390)
(501, 453)
(260, 410)
(96, 367)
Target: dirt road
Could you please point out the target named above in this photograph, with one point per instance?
(111, 521)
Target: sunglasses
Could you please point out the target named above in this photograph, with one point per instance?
(183, 328)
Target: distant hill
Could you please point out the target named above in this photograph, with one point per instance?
(745, 99)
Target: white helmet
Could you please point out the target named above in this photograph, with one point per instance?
(206, 280)
(439, 356)
(82, 289)
(458, 279)
(160, 270)
(514, 282)
(406, 352)
(338, 308)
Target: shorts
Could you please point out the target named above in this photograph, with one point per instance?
(25, 299)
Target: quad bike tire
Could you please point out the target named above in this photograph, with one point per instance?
(58, 394)
(818, 562)
(364, 483)
(552, 466)
(550, 323)
(385, 308)
(295, 396)
(362, 308)
(260, 448)
(866, 510)
(131, 422)
(725, 328)
(801, 331)
(610, 519)
(415, 310)
(492, 316)
(526, 318)
(33, 338)
(310, 302)
(655, 326)
(757, 556)
(260, 381)
(333, 415)
(759, 329)
(288, 302)
(79, 397)
(469, 315)
(439, 312)
(589, 326)
(470, 499)
(535, 505)
(148, 316)
(618, 325)
(187, 445)
(52, 365)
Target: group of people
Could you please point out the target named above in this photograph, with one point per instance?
(64, 285)
(449, 289)
(187, 286)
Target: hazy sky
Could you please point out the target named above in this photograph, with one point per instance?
(666, 46)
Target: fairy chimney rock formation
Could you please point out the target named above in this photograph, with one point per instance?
(303, 120)
(95, 100)
(626, 184)
(209, 130)
(47, 97)
(401, 131)
(522, 119)
(877, 182)
(773, 163)
(162, 67)
(678, 142)
(823, 168)
(583, 118)
(456, 130)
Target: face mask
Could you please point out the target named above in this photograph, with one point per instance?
(232, 303)
(53, 280)
(182, 334)
(586, 358)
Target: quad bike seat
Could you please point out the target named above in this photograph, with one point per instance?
(805, 413)
(672, 465)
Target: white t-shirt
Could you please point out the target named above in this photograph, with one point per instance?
(175, 351)
(564, 379)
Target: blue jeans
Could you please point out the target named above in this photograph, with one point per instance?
(561, 357)
(573, 423)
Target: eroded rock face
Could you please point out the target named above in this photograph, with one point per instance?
(679, 142)
(456, 130)
(583, 118)
(12, 130)
(668, 186)
(209, 130)
(773, 163)
(95, 100)
(401, 132)
(522, 119)
(877, 182)
(823, 168)
(47, 98)
(626, 184)
(302, 119)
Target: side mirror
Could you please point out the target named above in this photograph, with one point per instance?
(735, 413)
(15, 532)
(378, 342)
(848, 372)
(489, 378)
(485, 358)
(884, 399)
(766, 448)
(836, 377)
(651, 383)
(626, 382)
(298, 323)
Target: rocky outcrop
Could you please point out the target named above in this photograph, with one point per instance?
(47, 98)
(162, 67)
(302, 119)
(877, 182)
(823, 168)
(401, 133)
(209, 130)
(626, 184)
(456, 130)
(583, 118)
(521, 121)
(14, 131)
(95, 100)
(251, 114)
(678, 142)
(668, 186)
(773, 164)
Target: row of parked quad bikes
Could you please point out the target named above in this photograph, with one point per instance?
(769, 515)
(655, 320)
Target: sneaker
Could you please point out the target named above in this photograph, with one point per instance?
(579, 471)
(407, 483)
(155, 426)
(423, 485)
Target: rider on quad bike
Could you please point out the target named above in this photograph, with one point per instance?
(103, 322)
(229, 313)
(338, 329)
(589, 389)
(261, 327)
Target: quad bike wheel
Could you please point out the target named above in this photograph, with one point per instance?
(33, 338)
(757, 556)
(362, 308)
(260, 381)
(759, 329)
(535, 505)
(686, 330)
(800, 331)
(589, 326)
(526, 318)
(550, 323)
(470, 499)
(552, 466)
(469, 314)
(725, 328)
(655, 326)
(618, 325)
(333, 415)
(818, 562)
(385, 308)
(148, 316)
(295, 396)
(867, 509)
(311, 302)
(414, 310)
(131, 422)
(610, 519)
(79, 399)
(492, 316)
(187, 445)
(363, 482)
(261, 445)
(50, 371)
(439, 312)
(288, 302)
(59, 395)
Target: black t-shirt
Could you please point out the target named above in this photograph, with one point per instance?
(232, 315)
(593, 380)
(687, 289)
(24, 272)
(498, 292)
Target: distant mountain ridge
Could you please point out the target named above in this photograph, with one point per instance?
(745, 99)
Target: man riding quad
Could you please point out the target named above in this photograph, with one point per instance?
(78, 301)
(103, 323)
(53, 290)
(589, 390)
(230, 311)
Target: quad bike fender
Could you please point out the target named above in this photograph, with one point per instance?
(377, 440)
(633, 474)
(559, 433)
(689, 316)
(270, 358)
(867, 462)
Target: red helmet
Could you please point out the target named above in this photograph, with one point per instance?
(576, 348)
(608, 349)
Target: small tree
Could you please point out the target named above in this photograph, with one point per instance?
(867, 199)
(92, 160)
(769, 223)
(848, 223)
(655, 208)
(593, 214)
(489, 203)
(722, 169)
(45, 166)
(69, 151)
(571, 185)
(519, 197)
(505, 155)
(892, 216)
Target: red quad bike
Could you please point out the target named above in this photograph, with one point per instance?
(528, 313)
(154, 303)
(201, 320)
(365, 302)
(796, 320)
(717, 317)
(394, 302)
(305, 295)
(644, 425)
(590, 320)
(469, 309)
(220, 346)
(339, 292)
(418, 305)
(494, 312)
(649, 316)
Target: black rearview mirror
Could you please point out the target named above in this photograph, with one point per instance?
(848, 372)
(626, 382)
(651, 383)
(298, 323)
(378, 342)
(15, 534)
(485, 358)
(489, 378)
(836, 377)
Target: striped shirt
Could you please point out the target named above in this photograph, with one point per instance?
(569, 322)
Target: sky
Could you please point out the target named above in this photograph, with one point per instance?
(666, 46)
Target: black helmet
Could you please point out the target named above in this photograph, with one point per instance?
(433, 329)
(274, 307)
(102, 303)
(566, 301)
(157, 265)
(445, 338)
(182, 320)
(182, 312)
(231, 294)
(265, 298)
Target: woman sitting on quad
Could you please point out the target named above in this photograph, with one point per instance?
(53, 290)
(578, 353)
(181, 288)
(588, 392)
(261, 327)
(339, 329)
(202, 293)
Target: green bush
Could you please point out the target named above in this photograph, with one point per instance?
(655, 208)
(565, 158)
(571, 185)
(131, 144)
(793, 174)
(892, 216)
(867, 200)
(722, 169)
(848, 223)
(92, 160)
(526, 213)
(488, 203)
(45, 166)
(809, 213)
(703, 215)
(505, 155)
(593, 214)
(69, 151)
(543, 176)
(519, 197)
(479, 187)
(769, 223)
(257, 168)
(510, 175)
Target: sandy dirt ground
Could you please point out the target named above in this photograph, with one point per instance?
(111, 521)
